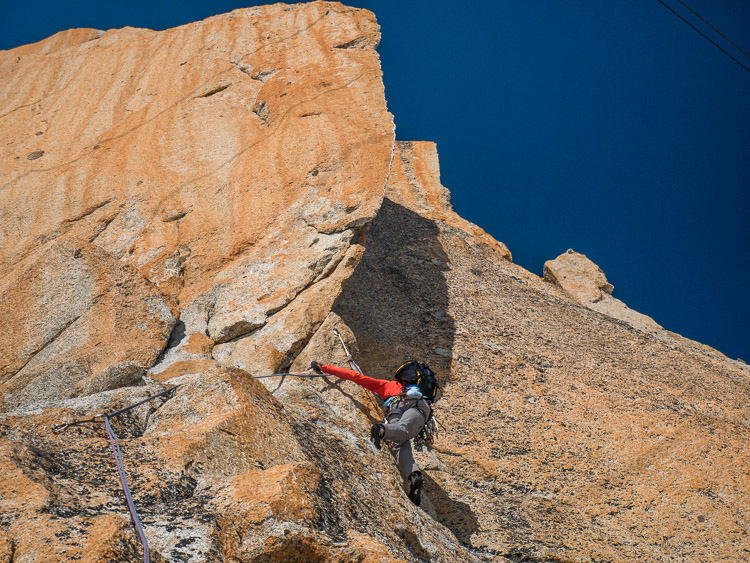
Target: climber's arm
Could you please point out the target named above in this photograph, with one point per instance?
(382, 388)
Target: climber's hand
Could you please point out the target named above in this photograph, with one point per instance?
(315, 366)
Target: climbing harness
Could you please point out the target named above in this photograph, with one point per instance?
(429, 432)
(115, 444)
(399, 404)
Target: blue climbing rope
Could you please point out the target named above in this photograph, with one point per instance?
(115, 444)
(57, 428)
(124, 482)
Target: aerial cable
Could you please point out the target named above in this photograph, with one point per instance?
(703, 34)
(740, 49)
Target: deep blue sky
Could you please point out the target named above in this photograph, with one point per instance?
(608, 127)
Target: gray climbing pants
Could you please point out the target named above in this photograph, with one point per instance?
(401, 426)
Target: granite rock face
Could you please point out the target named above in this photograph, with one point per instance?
(205, 156)
(81, 322)
(205, 205)
(571, 434)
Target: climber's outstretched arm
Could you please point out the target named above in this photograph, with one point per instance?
(380, 387)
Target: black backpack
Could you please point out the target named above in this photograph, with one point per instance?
(414, 373)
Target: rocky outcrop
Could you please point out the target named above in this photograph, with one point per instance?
(205, 205)
(585, 282)
(569, 434)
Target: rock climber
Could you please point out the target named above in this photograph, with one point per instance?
(406, 413)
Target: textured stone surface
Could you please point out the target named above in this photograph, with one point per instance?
(204, 205)
(569, 435)
(82, 322)
(194, 153)
(221, 470)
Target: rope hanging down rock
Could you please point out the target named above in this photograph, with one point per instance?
(124, 482)
(115, 444)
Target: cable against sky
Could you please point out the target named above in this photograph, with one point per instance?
(703, 34)
(740, 49)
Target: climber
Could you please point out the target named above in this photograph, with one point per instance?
(407, 410)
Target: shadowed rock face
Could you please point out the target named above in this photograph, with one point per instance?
(396, 301)
(207, 204)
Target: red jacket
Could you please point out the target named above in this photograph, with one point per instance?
(383, 388)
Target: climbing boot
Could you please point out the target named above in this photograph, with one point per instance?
(415, 492)
(376, 433)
